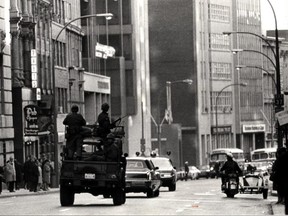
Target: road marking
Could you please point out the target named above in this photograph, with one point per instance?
(205, 194)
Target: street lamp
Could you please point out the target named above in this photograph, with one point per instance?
(169, 107)
(235, 51)
(216, 108)
(238, 67)
(108, 16)
(277, 60)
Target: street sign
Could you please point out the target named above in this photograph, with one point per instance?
(104, 51)
(282, 117)
(279, 100)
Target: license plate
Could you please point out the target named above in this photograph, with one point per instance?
(233, 186)
(89, 176)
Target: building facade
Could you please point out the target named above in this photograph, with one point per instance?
(219, 110)
(6, 115)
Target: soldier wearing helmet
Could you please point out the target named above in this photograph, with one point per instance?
(230, 167)
(74, 122)
(103, 121)
(111, 149)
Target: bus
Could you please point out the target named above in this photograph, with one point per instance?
(219, 155)
(263, 158)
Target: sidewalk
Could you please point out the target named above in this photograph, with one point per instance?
(277, 209)
(23, 192)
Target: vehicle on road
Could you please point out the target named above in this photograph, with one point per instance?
(167, 172)
(256, 182)
(97, 177)
(231, 185)
(142, 176)
(205, 171)
(219, 156)
(193, 173)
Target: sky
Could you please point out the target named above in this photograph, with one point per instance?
(281, 11)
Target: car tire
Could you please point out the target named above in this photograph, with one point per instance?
(265, 193)
(118, 196)
(172, 187)
(156, 193)
(150, 193)
(67, 196)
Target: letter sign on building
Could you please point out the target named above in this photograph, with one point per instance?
(34, 71)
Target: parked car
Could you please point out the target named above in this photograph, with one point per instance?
(142, 176)
(168, 173)
(205, 171)
(193, 172)
(180, 174)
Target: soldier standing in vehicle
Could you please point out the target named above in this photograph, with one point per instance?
(74, 122)
(103, 121)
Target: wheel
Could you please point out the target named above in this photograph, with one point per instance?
(172, 187)
(230, 195)
(156, 193)
(67, 196)
(118, 196)
(150, 193)
(265, 193)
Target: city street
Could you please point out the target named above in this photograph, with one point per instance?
(194, 197)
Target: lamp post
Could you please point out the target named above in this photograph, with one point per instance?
(54, 103)
(169, 107)
(216, 108)
(278, 96)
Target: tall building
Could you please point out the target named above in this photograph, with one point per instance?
(127, 32)
(217, 110)
(7, 147)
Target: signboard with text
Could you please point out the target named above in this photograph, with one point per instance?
(31, 117)
(254, 128)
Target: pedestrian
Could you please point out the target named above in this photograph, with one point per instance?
(33, 175)
(10, 174)
(74, 140)
(103, 121)
(186, 169)
(26, 174)
(282, 174)
(278, 175)
(46, 172)
(1, 178)
(40, 178)
(19, 174)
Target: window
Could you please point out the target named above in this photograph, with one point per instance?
(219, 41)
(223, 103)
(218, 13)
(220, 70)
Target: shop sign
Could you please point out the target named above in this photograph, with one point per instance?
(254, 128)
(221, 130)
(31, 117)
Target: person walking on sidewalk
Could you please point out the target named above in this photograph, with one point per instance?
(46, 170)
(10, 174)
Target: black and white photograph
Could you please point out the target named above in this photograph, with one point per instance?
(143, 107)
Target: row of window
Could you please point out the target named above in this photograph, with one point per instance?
(218, 13)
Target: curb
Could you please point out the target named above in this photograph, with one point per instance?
(24, 192)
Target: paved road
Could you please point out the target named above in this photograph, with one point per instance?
(192, 197)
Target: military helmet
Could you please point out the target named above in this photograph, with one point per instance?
(74, 108)
(229, 154)
(105, 107)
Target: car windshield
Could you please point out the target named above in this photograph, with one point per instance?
(135, 164)
(161, 163)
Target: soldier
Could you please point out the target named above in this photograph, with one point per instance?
(74, 122)
(103, 121)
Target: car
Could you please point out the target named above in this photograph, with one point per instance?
(180, 174)
(142, 176)
(205, 171)
(168, 173)
(193, 172)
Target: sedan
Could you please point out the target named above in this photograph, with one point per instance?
(167, 172)
(205, 171)
(142, 176)
(193, 172)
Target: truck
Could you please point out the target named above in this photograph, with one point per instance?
(93, 174)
